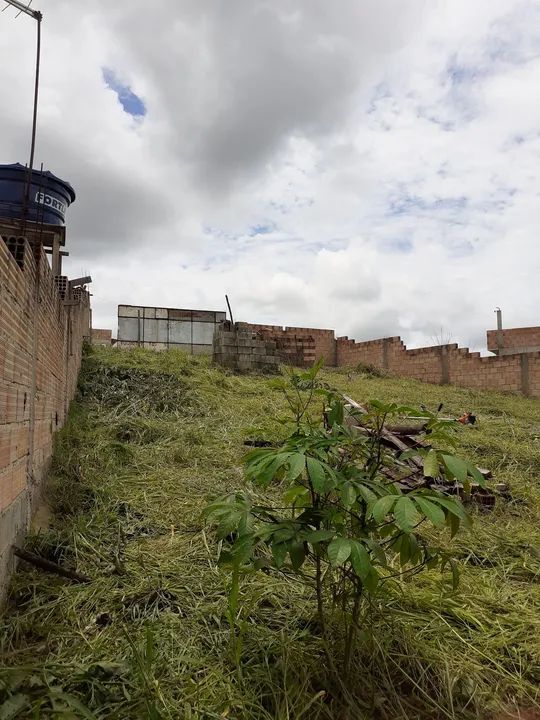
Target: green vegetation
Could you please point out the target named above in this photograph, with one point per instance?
(339, 517)
(151, 438)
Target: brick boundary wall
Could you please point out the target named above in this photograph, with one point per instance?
(101, 336)
(41, 338)
(446, 364)
(517, 371)
(514, 340)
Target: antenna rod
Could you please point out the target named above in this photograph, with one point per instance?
(25, 9)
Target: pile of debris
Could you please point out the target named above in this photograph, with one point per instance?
(409, 472)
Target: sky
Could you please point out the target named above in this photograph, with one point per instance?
(371, 167)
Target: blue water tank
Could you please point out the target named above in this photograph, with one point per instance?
(49, 196)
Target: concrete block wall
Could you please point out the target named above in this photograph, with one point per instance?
(157, 328)
(41, 339)
(242, 350)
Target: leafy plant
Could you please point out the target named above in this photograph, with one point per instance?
(344, 524)
(25, 690)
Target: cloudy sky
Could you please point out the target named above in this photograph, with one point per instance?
(371, 166)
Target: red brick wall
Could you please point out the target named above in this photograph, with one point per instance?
(534, 374)
(439, 364)
(318, 343)
(446, 364)
(516, 339)
(101, 336)
(40, 354)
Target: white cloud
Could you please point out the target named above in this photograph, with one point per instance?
(371, 168)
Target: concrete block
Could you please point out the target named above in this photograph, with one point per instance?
(129, 311)
(178, 314)
(229, 339)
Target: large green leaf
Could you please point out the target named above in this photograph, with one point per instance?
(456, 467)
(383, 506)
(282, 534)
(279, 553)
(298, 555)
(406, 514)
(415, 550)
(377, 551)
(316, 474)
(431, 464)
(242, 549)
(348, 495)
(228, 524)
(267, 474)
(367, 495)
(404, 550)
(453, 505)
(432, 511)
(360, 560)
(335, 413)
(476, 475)
(316, 536)
(339, 551)
(372, 580)
(297, 465)
(295, 494)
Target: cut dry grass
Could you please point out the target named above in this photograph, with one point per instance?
(150, 438)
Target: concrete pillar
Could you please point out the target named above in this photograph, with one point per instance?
(445, 369)
(500, 340)
(525, 385)
(385, 354)
(56, 257)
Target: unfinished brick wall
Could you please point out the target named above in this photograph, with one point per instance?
(101, 336)
(442, 364)
(307, 343)
(41, 339)
(512, 372)
(514, 340)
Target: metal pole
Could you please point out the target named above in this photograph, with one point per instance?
(38, 17)
(230, 311)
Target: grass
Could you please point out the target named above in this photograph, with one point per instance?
(149, 439)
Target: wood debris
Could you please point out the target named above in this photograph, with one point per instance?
(408, 473)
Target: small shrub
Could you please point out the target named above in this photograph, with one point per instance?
(343, 523)
(370, 370)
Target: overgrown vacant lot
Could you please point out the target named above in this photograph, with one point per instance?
(150, 439)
